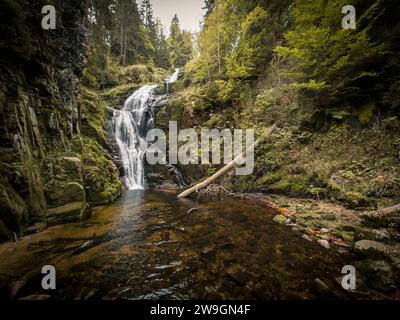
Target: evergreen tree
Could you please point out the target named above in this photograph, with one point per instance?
(161, 58)
(179, 54)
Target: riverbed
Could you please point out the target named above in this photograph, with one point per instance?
(151, 245)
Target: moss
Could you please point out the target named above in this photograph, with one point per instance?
(366, 114)
(89, 80)
(70, 208)
(319, 192)
(176, 86)
(292, 185)
(116, 96)
(268, 180)
(93, 113)
(137, 74)
(101, 176)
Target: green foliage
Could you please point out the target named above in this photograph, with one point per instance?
(337, 67)
(179, 44)
(248, 59)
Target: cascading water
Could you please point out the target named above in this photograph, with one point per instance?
(130, 126)
(171, 79)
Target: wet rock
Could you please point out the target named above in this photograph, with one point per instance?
(372, 249)
(324, 243)
(62, 193)
(379, 275)
(281, 219)
(69, 208)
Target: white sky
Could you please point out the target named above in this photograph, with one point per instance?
(189, 12)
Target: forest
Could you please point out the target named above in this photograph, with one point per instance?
(77, 101)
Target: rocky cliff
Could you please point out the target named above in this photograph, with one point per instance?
(46, 166)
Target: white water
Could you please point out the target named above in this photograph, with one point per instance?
(131, 125)
(171, 79)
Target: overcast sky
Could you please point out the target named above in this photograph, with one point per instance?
(189, 12)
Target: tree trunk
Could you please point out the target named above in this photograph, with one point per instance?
(125, 44)
(229, 166)
(121, 52)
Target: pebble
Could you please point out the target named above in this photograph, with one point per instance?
(324, 230)
(307, 238)
(324, 243)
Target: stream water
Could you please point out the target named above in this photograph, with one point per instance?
(150, 245)
(147, 246)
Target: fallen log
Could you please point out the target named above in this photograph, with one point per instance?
(230, 165)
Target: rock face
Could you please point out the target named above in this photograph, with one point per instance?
(41, 162)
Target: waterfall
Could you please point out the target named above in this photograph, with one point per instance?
(131, 125)
(171, 79)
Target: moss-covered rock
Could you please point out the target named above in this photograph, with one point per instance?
(101, 175)
(116, 96)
